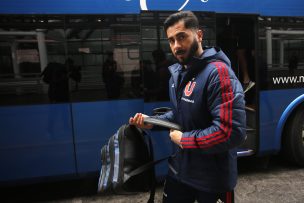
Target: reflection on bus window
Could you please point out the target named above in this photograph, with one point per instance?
(81, 45)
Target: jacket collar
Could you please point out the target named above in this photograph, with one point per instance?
(195, 66)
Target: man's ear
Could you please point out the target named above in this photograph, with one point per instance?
(199, 35)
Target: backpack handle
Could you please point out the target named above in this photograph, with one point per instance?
(163, 123)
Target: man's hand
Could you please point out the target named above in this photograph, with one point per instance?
(138, 121)
(176, 137)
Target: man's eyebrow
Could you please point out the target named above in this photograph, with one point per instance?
(177, 35)
(181, 33)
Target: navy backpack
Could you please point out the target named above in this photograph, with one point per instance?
(127, 160)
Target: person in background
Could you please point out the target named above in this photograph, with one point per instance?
(74, 72)
(111, 77)
(245, 52)
(56, 76)
(162, 74)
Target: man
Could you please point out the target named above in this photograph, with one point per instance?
(209, 104)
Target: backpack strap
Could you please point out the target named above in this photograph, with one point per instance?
(153, 176)
(145, 167)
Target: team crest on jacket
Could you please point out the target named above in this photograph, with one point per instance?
(189, 88)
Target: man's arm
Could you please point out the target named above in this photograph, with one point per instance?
(138, 119)
(168, 116)
(227, 106)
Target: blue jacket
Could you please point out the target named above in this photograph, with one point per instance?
(208, 102)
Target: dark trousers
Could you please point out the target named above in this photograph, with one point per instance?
(177, 192)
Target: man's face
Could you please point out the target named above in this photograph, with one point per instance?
(184, 43)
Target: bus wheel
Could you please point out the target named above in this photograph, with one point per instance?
(293, 141)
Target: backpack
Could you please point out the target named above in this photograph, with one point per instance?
(127, 161)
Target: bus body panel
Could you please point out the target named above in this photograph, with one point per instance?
(266, 7)
(273, 115)
(69, 7)
(94, 123)
(36, 141)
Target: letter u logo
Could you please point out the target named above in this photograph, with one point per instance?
(189, 88)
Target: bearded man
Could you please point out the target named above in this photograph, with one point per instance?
(208, 102)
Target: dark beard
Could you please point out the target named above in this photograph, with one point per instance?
(192, 51)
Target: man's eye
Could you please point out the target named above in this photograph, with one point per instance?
(182, 37)
(171, 41)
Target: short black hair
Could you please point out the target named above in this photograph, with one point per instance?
(190, 20)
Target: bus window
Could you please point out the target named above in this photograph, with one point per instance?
(281, 42)
(105, 50)
(29, 43)
(55, 59)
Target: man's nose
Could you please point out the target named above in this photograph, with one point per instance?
(176, 45)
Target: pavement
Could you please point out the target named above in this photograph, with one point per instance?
(279, 182)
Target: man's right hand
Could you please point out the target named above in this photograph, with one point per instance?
(138, 121)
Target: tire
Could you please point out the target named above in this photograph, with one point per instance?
(293, 140)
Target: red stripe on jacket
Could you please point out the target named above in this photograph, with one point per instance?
(225, 115)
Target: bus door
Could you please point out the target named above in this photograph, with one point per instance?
(236, 36)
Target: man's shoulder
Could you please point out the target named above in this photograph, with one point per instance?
(218, 64)
(219, 70)
(218, 67)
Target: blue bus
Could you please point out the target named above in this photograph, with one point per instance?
(72, 72)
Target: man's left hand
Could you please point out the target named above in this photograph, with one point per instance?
(176, 137)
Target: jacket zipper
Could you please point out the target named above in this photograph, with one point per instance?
(179, 94)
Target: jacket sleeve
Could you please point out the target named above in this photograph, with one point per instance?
(168, 116)
(227, 108)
